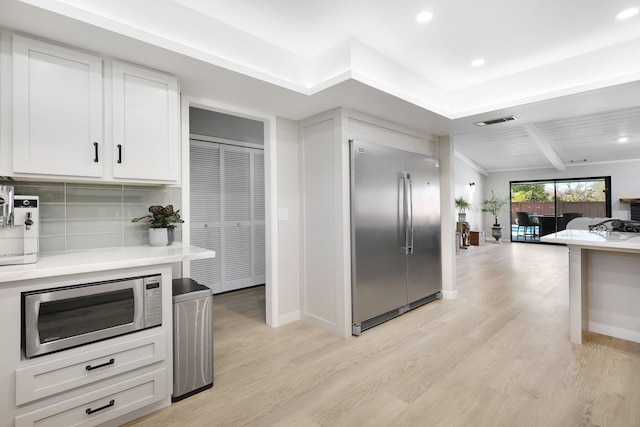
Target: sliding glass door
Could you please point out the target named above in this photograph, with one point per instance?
(543, 207)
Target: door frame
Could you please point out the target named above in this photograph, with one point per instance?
(270, 189)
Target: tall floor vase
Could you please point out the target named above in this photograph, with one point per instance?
(496, 232)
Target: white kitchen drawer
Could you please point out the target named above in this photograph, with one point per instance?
(101, 405)
(74, 368)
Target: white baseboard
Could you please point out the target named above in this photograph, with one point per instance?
(449, 294)
(288, 318)
(613, 331)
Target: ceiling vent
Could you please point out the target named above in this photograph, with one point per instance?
(494, 121)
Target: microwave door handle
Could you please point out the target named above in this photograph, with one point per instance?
(138, 297)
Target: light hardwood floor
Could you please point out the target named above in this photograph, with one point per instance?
(499, 355)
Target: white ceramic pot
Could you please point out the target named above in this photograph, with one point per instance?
(158, 237)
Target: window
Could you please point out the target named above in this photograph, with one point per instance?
(551, 204)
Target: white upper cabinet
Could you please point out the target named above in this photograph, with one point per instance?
(57, 110)
(75, 118)
(146, 138)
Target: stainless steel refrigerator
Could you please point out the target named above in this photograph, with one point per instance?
(395, 233)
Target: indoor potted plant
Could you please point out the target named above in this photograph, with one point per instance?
(493, 205)
(462, 206)
(162, 222)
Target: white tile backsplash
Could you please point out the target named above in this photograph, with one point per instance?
(55, 227)
(93, 226)
(52, 211)
(138, 237)
(87, 194)
(48, 192)
(91, 211)
(146, 196)
(52, 244)
(91, 216)
(93, 241)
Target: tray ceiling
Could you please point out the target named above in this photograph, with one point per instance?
(543, 62)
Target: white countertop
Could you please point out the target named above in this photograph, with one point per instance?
(61, 264)
(612, 240)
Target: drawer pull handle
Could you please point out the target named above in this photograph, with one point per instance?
(95, 149)
(90, 411)
(91, 368)
(119, 153)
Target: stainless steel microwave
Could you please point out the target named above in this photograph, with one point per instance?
(61, 318)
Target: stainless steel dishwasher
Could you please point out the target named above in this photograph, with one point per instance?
(192, 338)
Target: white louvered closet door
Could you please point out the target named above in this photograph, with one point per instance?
(243, 217)
(230, 181)
(258, 218)
(206, 207)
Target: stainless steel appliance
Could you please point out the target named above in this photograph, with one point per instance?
(192, 338)
(395, 233)
(19, 227)
(61, 318)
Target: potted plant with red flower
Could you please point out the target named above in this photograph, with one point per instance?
(162, 222)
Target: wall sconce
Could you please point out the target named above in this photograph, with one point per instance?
(472, 187)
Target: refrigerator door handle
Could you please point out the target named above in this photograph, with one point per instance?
(407, 202)
(405, 213)
(410, 214)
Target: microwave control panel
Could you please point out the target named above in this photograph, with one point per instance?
(152, 301)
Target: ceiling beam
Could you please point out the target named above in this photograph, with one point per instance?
(470, 162)
(545, 148)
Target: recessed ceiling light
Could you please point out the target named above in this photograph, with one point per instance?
(623, 139)
(424, 17)
(627, 13)
(478, 62)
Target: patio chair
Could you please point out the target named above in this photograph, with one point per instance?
(566, 217)
(531, 228)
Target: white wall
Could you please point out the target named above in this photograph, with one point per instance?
(324, 257)
(624, 183)
(463, 175)
(448, 218)
(289, 221)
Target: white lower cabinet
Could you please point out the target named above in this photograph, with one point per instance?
(94, 386)
(99, 406)
(107, 382)
(45, 379)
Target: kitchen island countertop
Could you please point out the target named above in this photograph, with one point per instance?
(606, 240)
(60, 264)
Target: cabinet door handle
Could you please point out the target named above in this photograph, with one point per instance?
(119, 153)
(91, 368)
(95, 148)
(111, 403)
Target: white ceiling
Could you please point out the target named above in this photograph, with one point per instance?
(559, 143)
(548, 62)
